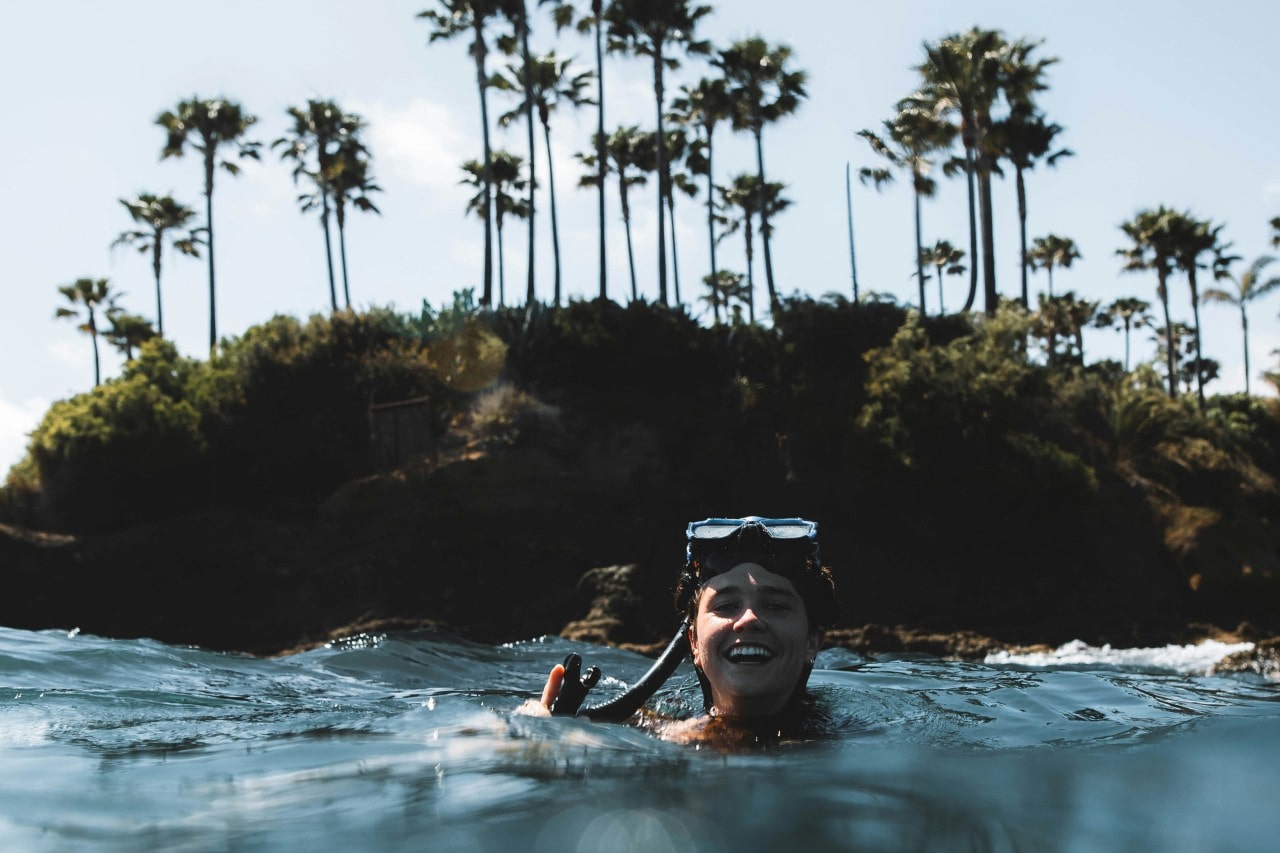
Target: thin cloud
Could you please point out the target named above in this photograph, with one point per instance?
(73, 354)
(419, 143)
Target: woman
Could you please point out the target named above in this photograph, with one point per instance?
(756, 600)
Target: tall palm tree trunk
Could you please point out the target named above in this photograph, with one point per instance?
(1127, 326)
(675, 258)
(1048, 267)
(1195, 313)
(93, 335)
(502, 284)
(528, 120)
(973, 228)
(626, 226)
(342, 255)
(555, 228)
(1244, 328)
(711, 231)
(848, 198)
(941, 308)
(764, 222)
(597, 10)
(208, 218)
(919, 252)
(328, 248)
(991, 299)
(1022, 235)
(662, 176)
(155, 268)
(751, 281)
(1170, 355)
(1053, 340)
(478, 51)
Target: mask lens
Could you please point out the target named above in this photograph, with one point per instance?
(713, 530)
(788, 531)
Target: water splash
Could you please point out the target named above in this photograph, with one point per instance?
(1197, 659)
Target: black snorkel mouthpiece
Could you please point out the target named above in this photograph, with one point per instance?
(576, 686)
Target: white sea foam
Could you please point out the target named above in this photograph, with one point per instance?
(1198, 659)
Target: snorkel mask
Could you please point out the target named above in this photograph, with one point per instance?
(785, 546)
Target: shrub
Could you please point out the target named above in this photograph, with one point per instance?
(297, 422)
(122, 453)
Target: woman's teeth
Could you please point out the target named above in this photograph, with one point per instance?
(750, 654)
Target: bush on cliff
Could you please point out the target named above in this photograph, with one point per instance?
(127, 451)
(293, 419)
(278, 418)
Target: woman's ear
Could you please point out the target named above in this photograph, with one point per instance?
(815, 643)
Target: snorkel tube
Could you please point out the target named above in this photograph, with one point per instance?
(576, 685)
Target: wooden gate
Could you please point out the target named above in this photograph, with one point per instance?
(400, 432)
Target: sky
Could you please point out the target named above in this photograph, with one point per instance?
(1166, 102)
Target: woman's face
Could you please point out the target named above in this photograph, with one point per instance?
(751, 639)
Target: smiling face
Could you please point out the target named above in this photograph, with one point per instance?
(751, 639)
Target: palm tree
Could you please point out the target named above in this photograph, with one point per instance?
(206, 125)
(87, 296)
(677, 146)
(451, 19)
(506, 173)
(945, 258)
(964, 75)
(1249, 287)
(908, 140)
(629, 154)
(1052, 251)
(350, 182)
(647, 28)
(704, 106)
(1023, 138)
(1131, 313)
(1063, 317)
(1275, 232)
(1155, 249)
(1178, 342)
(163, 217)
(726, 288)
(551, 85)
(128, 331)
(745, 196)
(318, 130)
(1192, 238)
(763, 90)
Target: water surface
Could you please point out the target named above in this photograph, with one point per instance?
(409, 742)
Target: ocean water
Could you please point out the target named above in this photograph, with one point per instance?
(410, 742)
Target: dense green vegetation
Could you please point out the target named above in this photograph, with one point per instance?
(961, 481)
